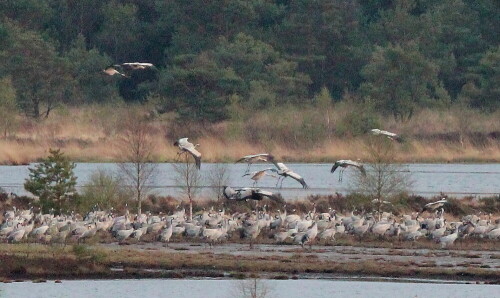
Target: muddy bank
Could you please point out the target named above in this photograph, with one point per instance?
(188, 260)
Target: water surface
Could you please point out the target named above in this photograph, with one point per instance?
(429, 179)
(232, 288)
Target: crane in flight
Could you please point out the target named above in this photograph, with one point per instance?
(256, 176)
(344, 163)
(250, 159)
(388, 134)
(283, 171)
(433, 206)
(247, 193)
(187, 147)
(125, 69)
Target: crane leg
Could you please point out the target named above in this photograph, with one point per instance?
(177, 158)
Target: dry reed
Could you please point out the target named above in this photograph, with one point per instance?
(306, 135)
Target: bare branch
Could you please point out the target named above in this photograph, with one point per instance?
(188, 179)
(136, 148)
(384, 178)
(217, 178)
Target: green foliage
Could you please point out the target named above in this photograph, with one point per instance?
(52, 181)
(103, 189)
(323, 99)
(38, 74)
(8, 108)
(359, 119)
(88, 87)
(400, 79)
(203, 85)
(119, 33)
(402, 54)
(485, 92)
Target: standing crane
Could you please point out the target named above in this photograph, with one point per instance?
(344, 163)
(187, 147)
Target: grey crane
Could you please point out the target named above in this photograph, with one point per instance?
(344, 163)
(433, 205)
(187, 147)
(136, 65)
(250, 159)
(111, 71)
(127, 68)
(388, 134)
(256, 176)
(283, 171)
(247, 193)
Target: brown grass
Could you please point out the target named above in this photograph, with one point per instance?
(91, 134)
(36, 261)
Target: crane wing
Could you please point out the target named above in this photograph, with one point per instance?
(136, 65)
(249, 157)
(281, 166)
(362, 169)
(388, 133)
(185, 145)
(197, 156)
(229, 192)
(298, 178)
(335, 166)
(266, 193)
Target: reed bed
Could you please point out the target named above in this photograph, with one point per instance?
(303, 135)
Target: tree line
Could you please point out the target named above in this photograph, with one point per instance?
(213, 57)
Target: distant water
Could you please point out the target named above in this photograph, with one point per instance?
(232, 288)
(429, 179)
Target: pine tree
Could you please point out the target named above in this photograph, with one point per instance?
(52, 181)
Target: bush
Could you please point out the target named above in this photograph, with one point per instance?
(357, 123)
(103, 189)
(491, 205)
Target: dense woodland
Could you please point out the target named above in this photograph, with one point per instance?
(216, 57)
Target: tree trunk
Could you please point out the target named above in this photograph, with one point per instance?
(190, 209)
(139, 207)
(36, 109)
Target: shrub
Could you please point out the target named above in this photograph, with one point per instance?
(103, 189)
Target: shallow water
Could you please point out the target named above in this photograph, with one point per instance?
(429, 179)
(233, 288)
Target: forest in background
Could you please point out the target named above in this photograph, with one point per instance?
(273, 73)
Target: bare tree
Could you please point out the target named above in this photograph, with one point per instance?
(188, 180)
(136, 149)
(217, 178)
(384, 177)
(252, 288)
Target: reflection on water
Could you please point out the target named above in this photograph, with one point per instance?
(429, 179)
(228, 288)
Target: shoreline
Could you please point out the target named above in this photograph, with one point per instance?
(236, 261)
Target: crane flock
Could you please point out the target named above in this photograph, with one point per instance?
(213, 227)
